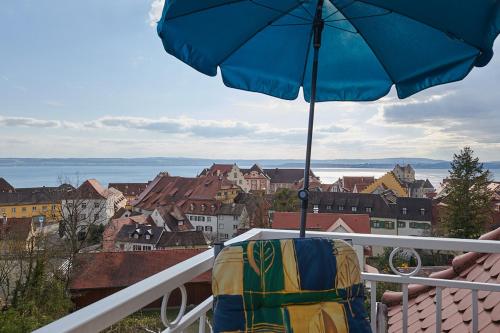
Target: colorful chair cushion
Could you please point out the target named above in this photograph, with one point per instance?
(293, 285)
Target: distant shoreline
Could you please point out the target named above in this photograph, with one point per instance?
(417, 163)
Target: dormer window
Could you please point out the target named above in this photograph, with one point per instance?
(368, 209)
(148, 237)
(136, 236)
(181, 223)
(354, 209)
(191, 207)
(328, 207)
(404, 211)
(422, 211)
(203, 206)
(315, 208)
(341, 207)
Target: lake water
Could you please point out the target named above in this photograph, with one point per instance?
(43, 175)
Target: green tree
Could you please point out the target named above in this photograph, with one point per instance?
(467, 197)
(286, 200)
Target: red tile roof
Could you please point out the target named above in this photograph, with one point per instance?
(217, 169)
(456, 303)
(16, 228)
(165, 190)
(349, 182)
(129, 189)
(122, 269)
(359, 223)
(113, 227)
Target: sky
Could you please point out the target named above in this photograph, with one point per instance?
(91, 79)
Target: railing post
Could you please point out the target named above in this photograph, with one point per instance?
(438, 309)
(405, 308)
(373, 306)
(201, 327)
(474, 311)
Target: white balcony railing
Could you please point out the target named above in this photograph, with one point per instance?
(111, 309)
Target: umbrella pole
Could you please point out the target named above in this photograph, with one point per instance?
(318, 25)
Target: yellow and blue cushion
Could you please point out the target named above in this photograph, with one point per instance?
(309, 285)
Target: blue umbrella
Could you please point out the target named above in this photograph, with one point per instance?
(336, 50)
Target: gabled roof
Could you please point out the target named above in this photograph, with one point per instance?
(122, 269)
(456, 303)
(129, 189)
(414, 208)
(359, 223)
(92, 189)
(167, 190)
(217, 169)
(5, 186)
(390, 181)
(174, 218)
(377, 205)
(289, 176)
(34, 195)
(114, 226)
(128, 233)
(349, 182)
(193, 238)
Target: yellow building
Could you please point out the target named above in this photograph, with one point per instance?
(32, 202)
(389, 181)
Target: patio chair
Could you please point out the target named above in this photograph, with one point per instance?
(309, 285)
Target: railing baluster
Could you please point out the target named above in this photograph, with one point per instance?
(438, 309)
(203, 319)
(405, 308)
(474, 311)
(373, 306)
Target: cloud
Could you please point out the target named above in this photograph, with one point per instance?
(155, 12)
(28, 122)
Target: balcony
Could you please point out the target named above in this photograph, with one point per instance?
(112, 309)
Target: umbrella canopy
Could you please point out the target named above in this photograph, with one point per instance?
(336, 50)
(367, 45)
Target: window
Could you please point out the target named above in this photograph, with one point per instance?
(368, 209)
(148, 237)
(401, 224)
(235, 175)
(33, 208)
(315, 208)
(240, 182)
(389, 225)
(221, 225)
(235, 218)
(202, 218)
(136, 247)
(44, 208)
(146, 247)
(422, 211)
(97, 204)
(209, 219)
(354, 209)
(420, 225)
(208, 228)
(225, 192)
(181, 223)
(53, 207)
(199, 228)
(13, 209)
(376, 224)
(84, 205)
(136, 236)
(404, 210)
(328, 207)
(190, 217)
(341, 207)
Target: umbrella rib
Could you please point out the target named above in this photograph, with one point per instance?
(342, 29)
(203, 9)
(281, 11)
(255, 33)
(335, 12)
(306, 58)
(370, 47)
(361, 17)
(421, 22)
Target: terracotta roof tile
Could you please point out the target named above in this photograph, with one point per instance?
(113, 269)
(358, 223)
(456, 303)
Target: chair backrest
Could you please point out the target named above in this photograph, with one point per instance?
(289, 285)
